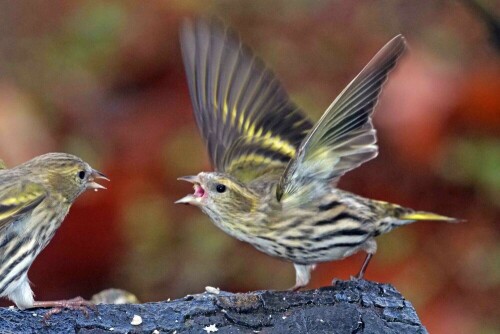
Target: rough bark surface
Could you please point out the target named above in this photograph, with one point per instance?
(348, 307)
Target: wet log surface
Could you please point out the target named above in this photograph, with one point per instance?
(348, 307)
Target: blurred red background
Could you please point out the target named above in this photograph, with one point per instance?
(104, 80)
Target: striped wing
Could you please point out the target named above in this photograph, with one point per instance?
(17, 200)
(344, 137)
(246, 118)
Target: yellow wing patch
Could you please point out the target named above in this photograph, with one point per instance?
(224, 111)
(249, 166)
(268, 140)
(250, 159)
(19, 200)
(27, 195)
(275, 143)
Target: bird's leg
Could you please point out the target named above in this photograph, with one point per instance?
(22, 295)
(361, 272)
(57, 306)
(370, 247)
(302, 275)
(364, 266)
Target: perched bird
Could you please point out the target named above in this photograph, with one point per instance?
(275, 178)
(34, 199)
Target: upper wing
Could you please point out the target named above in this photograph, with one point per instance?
(19, 199)
(344, 137)
(244, 114)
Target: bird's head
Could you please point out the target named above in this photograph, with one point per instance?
(220, 195)
(65, 174)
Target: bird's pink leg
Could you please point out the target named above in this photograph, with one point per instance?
(57, 306)
(361, 273)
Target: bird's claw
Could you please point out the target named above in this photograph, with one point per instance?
(335, 280)
(77, 303)
(296, 287)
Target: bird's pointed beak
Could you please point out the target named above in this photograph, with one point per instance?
(190, 179)
(188, 199)
(199, 192)
(91, 184)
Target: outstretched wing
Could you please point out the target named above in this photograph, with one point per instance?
(344, 137)
(245, 116)
(19, 199)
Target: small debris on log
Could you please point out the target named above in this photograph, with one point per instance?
(355, 306)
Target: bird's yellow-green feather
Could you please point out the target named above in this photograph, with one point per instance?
(344, 137)
(18, 199)
(422, 215)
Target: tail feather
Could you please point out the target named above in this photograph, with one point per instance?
(422, 215)
(400, 218)
(407, 215)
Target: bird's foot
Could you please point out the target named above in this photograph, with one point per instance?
(58, 306)
(335, 280)
(296, 287)
(358, 276)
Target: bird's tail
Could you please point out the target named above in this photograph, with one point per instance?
(396, 215)
(423, 215)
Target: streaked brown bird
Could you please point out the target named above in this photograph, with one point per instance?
(35, 197)
(275, 178)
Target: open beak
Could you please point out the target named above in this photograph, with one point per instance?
(91, 184)
(199, 192)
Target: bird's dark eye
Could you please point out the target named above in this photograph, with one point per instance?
(81, 174)
(220, 188)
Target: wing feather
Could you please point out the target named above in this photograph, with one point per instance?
(244, 115)
(20, 199)
(344, 137)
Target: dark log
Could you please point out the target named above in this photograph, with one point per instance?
(348, 307)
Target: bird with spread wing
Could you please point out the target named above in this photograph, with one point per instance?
(274, 184)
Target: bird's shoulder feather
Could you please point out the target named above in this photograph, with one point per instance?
(18, 197)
